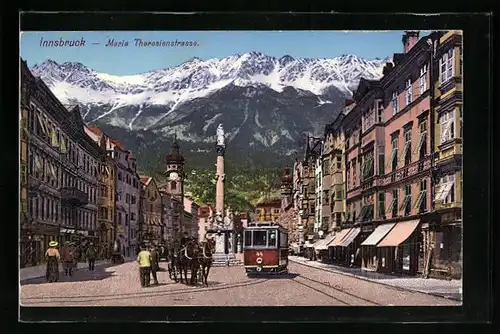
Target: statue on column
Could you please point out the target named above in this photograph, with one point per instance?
(220, 135)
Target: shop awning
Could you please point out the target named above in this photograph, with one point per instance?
(377, 235)
(324, 242)
(340, 237)
(349, 238)
(399, 233)
(318, 243)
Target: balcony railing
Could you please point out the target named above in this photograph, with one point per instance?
(74, 196)
(404, 172)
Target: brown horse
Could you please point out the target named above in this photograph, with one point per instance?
(205, 259)
(189, 260)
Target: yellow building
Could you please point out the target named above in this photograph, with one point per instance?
(268, 210)
(447, 236)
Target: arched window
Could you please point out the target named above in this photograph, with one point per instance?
(173, 185)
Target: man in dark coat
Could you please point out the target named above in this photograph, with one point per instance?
(91, 254)
(154, 263)
(184, 239)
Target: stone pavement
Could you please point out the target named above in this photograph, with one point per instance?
(40, 270)
(442, 288)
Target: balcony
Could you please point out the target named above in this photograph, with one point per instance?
(405, 172)
(74, 196)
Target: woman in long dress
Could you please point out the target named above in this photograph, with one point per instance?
(53, 257)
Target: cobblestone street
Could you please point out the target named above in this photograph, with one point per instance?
(118, 285)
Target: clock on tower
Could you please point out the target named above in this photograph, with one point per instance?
(175, 172)
(173, 176)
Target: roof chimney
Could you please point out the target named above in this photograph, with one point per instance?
(387, 68)
(410, 38)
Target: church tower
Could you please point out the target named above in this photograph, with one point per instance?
(175, 172)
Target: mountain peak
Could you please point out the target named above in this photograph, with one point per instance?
(172, 87)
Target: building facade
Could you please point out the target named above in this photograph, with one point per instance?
(204, 213)
(288, 213)
(61, 172)
(296, 231)
(397, 148)
(127, 197)
(106, 192)
(268, 210)
(445, 235)
(151, 227)
(308, 192)
(167, 216)
(318, 194)
(191, 225)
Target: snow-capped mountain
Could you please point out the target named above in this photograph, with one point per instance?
(263, 101)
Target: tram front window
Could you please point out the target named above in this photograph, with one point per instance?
(272, 239)
(260, 238)
(248, 238)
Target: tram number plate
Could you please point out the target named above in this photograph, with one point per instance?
(259, 254)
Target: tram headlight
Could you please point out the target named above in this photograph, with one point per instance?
(259, 260)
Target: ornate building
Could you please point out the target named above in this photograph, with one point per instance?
(151, 226)
(308, 181)
(268, 210)
(168, 218)
(190, 224)
(61, 171)
(445, 236)
(107, 190)
(288, 213)
(127, 196)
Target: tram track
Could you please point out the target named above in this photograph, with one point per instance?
(386, 286)
(329, 286)
(32, 301)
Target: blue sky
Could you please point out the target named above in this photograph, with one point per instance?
(212, 44)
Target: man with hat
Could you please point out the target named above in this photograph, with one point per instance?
(52, 256)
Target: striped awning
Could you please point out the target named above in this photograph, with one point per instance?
(324, 245)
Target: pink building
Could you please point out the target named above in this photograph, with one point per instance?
(388, 164)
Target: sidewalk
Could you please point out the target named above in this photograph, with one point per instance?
(40, 270)
(441, 288)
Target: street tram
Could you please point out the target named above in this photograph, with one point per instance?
(265, 248)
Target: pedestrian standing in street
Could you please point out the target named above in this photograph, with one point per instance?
(68, 258)
(91, 254)
(144, 260)
(53, 257)
(155, 266)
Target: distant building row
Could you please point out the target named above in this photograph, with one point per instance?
(383, 188)
(78, 184)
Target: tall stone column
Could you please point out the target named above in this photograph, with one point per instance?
(219, 191)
